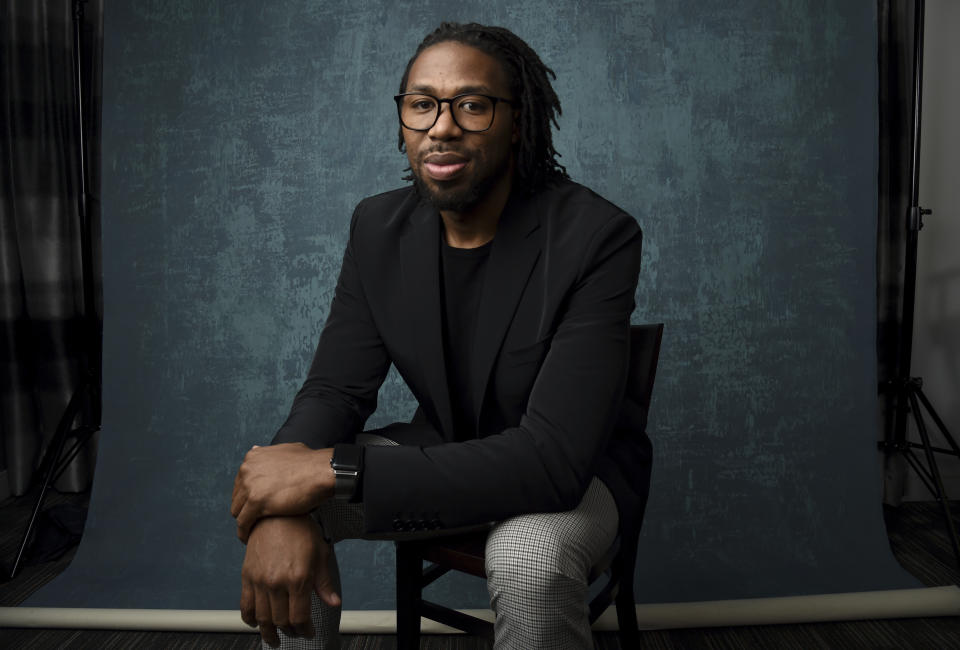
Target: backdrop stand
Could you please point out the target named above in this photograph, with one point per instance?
(907, 390)
(87, 392)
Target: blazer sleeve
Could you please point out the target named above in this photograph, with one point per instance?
(546, 462)
(348, 367)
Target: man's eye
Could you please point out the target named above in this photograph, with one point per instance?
(474, 106)
(422, 105)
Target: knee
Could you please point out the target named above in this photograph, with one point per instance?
(521, 559)
(538, 598)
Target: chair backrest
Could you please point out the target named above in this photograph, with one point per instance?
(644, 354)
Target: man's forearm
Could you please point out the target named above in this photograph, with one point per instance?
(281, 480)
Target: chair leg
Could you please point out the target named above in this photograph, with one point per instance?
(409, 572)
(627, 612)
(627, 617)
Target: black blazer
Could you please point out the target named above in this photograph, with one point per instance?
(549, 363)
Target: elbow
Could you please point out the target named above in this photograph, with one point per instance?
(575, 496)
(569, 489)
(569, 501)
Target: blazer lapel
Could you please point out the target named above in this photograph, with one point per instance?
(419, 256)
(514, 253)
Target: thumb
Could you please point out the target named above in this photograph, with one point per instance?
(323, 583)
(325, 589)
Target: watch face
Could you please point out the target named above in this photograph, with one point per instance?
(346, 457)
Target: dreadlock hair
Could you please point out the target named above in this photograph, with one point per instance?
(537, 103)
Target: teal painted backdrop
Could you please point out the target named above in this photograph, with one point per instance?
(238, 136)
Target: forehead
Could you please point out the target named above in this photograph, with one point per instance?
(449, 67)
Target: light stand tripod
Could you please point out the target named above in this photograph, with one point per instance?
(908, 391)
(88, 388)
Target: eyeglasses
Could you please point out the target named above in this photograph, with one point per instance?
(471, 112)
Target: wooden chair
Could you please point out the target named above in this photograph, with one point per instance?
(465, 552)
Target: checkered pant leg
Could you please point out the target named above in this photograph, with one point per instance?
(326, 621)
(537, 570)
(339, 521)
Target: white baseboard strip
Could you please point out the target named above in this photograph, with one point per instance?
(856, 606)
(894, 603)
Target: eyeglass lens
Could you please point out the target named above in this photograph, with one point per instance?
(470, 112)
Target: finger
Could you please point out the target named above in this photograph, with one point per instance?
(247, 516)
(279, 602)
(237, 502)
(324, 587)
(299, 610)
(326, 576)
(238, 497)
(328, 595)
(233, 494)
(243, 534)
(248, 610)
(268, 632)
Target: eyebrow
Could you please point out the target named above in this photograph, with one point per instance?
(462, 90)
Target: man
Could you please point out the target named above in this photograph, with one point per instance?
(502, 293)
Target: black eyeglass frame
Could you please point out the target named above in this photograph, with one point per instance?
(453, 113)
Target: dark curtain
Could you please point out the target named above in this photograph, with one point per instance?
(47, 340)
(895, 24)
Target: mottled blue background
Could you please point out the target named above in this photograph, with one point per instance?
(238, 136)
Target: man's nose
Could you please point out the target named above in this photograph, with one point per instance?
(445, 127)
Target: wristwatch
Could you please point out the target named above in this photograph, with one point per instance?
(347, 464)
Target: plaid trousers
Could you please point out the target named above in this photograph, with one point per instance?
(537, 567)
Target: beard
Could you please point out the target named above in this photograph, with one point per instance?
(455, 199)
(463, 193)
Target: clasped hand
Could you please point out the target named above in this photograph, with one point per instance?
(286, 560)
(286, 557)
(280, 480)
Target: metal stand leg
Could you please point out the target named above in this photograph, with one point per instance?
(54, 468)
(916, 397)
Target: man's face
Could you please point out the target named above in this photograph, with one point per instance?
(454, 168)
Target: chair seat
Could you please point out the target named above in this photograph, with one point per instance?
(458, 552)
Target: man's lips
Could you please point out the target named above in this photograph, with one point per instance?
(443, 166)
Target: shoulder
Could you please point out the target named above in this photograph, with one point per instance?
(390, 200)
(386, 212)
(574, 213)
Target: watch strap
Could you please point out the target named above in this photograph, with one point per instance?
(347, 464)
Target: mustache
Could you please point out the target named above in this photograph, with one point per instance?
(445, 149)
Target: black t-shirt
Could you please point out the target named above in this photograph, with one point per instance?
(462, 273)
